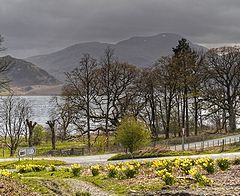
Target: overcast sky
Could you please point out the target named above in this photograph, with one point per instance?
(33, 27)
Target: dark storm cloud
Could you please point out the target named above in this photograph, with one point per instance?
(38, 26)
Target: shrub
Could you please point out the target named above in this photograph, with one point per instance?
(95, 170)
(223, 163)
(100, 144)
(132, 134)
(207, 164)
(166, 176)
(76, 169)
(39, 135)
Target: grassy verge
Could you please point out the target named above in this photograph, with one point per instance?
(192, 138)
(13, 164)
(155, 152)
(44, 148)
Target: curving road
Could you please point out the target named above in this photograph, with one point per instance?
(94, 159)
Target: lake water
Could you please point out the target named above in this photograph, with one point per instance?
(41, 108)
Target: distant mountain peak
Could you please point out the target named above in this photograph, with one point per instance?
(138, 50)
(22, 73)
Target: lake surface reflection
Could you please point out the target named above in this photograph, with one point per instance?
(41, 108)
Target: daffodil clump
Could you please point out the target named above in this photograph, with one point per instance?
(206, 164)
(112, 170)
(95, 169)
(166, 176)
(52, 168)
(5, 173)
(130, 169)
(163, 164)
(199, 178)
(76, 169)
(185, 165)
(223, 163)
(123, 170)
(29, 168)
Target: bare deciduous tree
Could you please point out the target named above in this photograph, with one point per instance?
(30, 126)
(14, 112)
(222, 87)
(80, 90)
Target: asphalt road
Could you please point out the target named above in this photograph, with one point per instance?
(102, 159)
(94, 159)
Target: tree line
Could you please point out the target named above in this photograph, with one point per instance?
(189, 89)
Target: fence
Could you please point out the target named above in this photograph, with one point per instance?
(206, 144)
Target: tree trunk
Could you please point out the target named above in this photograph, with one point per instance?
(187, 114)
(232, 119)
(12, 151)
(195, 116)
(31, 126)
(52, 128)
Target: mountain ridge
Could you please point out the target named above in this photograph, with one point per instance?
(139, 50)
(25, 76)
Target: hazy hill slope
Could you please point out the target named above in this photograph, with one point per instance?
(22, 73)
(141, 51)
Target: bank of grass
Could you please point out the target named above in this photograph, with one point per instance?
(122, 187)
(43, 148)
(163, 152)
(203, 136)
(13, 164)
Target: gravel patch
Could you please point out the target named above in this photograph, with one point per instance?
(78, 185)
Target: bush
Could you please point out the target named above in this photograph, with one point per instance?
(76, 169)
(39, 135)
(100, 144)
(223, 163)
(132, 134)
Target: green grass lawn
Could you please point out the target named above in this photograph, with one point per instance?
(43, 148)
(13, 164)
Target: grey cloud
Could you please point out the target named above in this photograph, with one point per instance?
(39, 26)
